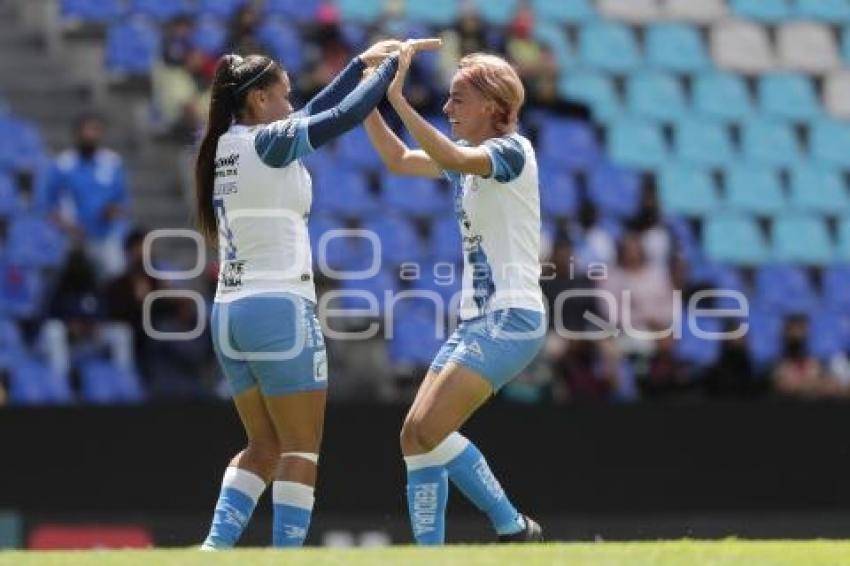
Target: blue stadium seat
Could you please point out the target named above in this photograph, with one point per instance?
(21, 291)
(399, 241)
(845, 45)
(818, 188)
(355, 149)
(220, 8)
(558, 11)
(441, 276)
(686, 239)
(162, 11)
(432, 12)
(558, 192)
(771, 143)
(754, 189)
(829, 11)
(764, 11)
(636, 143)
(33, 241)
(703, 142)
(363, 11)
(552, 36)
(657, 96)
(614, 190)
(92, 11)
(283, 42)
(722, 96)
(102, 382)
(9, 202)
(301, 11)
(355, 35)
(13, 351)
(788, 96)
(568, 143)
(593, 89)
(374, 288)
(687, 190)
(342, 191)
(697, 350)
(210, 36)
(735, 239)
(609, 47)
(20, 146)
(132, 46)
(829, 142)
(33, 382)
(676, 47)
(784, 289)
(828, 333)
(764, 338)
(843, 249)
(342, 251)
(835, 285)
(802, 239)
(496, 13)
(415, 336)
(415, 196)
(445, 240)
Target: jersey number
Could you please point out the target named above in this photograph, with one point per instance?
(224, 229)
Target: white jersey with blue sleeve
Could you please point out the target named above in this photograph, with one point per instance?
(262, 197)
(499, 220)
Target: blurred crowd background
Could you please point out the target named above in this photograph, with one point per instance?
(684, 145)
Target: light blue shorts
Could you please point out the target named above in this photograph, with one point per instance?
(498, 345)
(272, 340)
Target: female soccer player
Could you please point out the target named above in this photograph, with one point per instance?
(254, 195)
(493, 174)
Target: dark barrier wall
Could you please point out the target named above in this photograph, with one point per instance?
(718, 458)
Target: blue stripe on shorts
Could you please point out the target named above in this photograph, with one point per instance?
(270, 340)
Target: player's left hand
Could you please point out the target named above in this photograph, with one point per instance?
(379, 51)
(395, 90)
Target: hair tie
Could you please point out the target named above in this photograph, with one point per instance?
(252, 80)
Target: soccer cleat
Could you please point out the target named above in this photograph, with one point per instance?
(532, 532)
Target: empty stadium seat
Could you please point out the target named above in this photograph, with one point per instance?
(558, 192)
(12, 348)
(636, 143)
(33, 241)
(699, 350)
(596, 90)
(829, 142)
(687, 190)
(302, 11)
(827, 11)
(615, 191)
(558, 11)
(802, 239)
(658, 96)
(415, 196)
(828, 333)
(569, 143)
(162, 11)
(703, 142)
(743, 47)
(356, 150)
(364, 11)
(32, 382)
(366, 292)
(494, 13)
(445, 244)
(283, 42)
(836, 94)
(806, 47)
(835, 285)
(552, 36)
(764, 338)
(763, 11)
(784, 289)
(735, 239)
(432, 12)
(630, 11)
(132, 46)
(843, 248)
(818, 188)
(399, 241)
(415, 338)
(675, 47)
(788, 96)
(609, 47)
(771, 143)
(722, 96)
(702, 12)
(220, 8)
(754, 189)
(210, 36)
(9, 202)
(91, 11)
(102, 382)
(342, 191)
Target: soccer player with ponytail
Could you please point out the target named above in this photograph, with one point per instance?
(253, 199)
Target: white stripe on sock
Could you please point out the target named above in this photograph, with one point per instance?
(294, 494)
(247, 482)
(312, 457)
(445, 452)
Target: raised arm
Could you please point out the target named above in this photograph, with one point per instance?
(395, 154)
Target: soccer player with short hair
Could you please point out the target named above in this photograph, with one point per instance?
(493, 173)
(253, 197)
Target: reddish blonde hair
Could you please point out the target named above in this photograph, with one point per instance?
(497, 80)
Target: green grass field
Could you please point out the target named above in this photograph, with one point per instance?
(680, 553)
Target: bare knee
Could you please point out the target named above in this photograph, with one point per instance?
(264, 452)
(418, 436)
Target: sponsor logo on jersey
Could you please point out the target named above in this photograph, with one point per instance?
(231, 274)
(474, 348)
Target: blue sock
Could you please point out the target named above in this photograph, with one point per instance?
(471, 474)
(427, 495)
(293, 508)
(240, 491)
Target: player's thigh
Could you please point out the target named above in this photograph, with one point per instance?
(423, 391)
(298, 419)
(256, 420)
(457, 392)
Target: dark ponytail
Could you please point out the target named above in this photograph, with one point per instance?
(234, 78)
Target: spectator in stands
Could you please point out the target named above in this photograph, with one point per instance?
(528, 56)
(175, 87)
(798, 373)
(663, 373)
(733, 375)
(242, 36)
(594, 244)
(649, 222)
(91, 179)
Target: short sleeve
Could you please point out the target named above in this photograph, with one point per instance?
(507, 158)
(282, 142)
